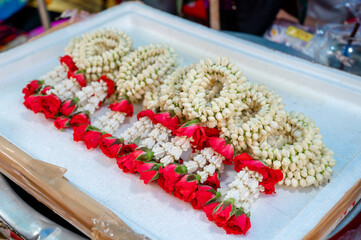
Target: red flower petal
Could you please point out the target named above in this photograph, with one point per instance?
(148, 172)
(127, 148)
(209, 209)
(270, 176)
(168, 178)
(110, 145)
(122, 106)
(223, 214)
(45, 89)
(193, 131)
(68, 107)
(213, 181)
(128, 163)
(33, 103)
(167, 121)
(147, 113)
(68, 61)
(211, 132)
(110, 84)
(50, 105)
(32, 88)
(185, 189)
(79, 131)
(62, 122)
(202, 196)
(220, 146)
(238, 224)
(91, 138)
(79, 119)
(79, 77)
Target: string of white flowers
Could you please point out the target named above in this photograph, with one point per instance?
(65, 89)
(205, 162)
(110, 122)
(244, 190)
(298, 151)
(100, 52)
(151, 99)
(57, 75)
(170, 152)
(144, 69)
(261, 117)
(210, 91)
(139, 129)
(91, 95)
(158, 136)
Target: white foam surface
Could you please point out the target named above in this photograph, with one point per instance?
(330, 97)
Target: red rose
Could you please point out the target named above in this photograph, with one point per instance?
(211, 132)
(222, 214)
(193, 130)
(129, 162)
(68, 61)
(79, 119)
(167, 121)
(62, 122)
(203, 195)
(149, 172)
(122, 106)
(127, 148)
(238, 224)
(168, 178)
(185, 188)
(208, 209)
(33, 103)
(213, 181)
(69, 106)
(45, 89)
(110, 84)
(222, 147)
(270, 176)
(110, 145)
(91, 137)
(50, 105)
(147, 113)
(32, 88)
(79, 77)
(79, 131)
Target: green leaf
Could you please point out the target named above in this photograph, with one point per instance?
(191, 178)
(137, 140)
(156, 176)
(181, 169)
(190, 123)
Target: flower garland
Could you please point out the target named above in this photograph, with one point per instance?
(100, 52)
(143, 70)
(222, 115)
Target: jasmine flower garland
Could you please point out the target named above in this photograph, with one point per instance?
(100, 52)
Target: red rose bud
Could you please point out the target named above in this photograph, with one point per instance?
(149, 172)
(186, 187)
(33, 103)
(223, 213)
(222, 147)
(79, 77)
(68, 61)
(167, 121)
(69, 106)
(110, 145)
(50, 105)
(62, 122)
(238, 224)
(91, 137)
(203, 195)
(32, 88)
(127, 148)
(79, 132)
(122, 106)
(213, 181)
(45, 89)
(79, 119)
(110, 84)
(270, 176)
(208, 209)
(193, 130)
(211, 132)
(129, 162)
(169, 177)
(147, 113)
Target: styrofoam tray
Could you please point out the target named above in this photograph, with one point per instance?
(331, 97)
